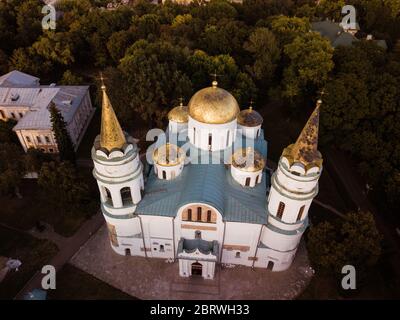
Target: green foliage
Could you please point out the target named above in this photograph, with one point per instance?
(265, 52)
(11, 167)
(310, 58)
(70, 78)
(3, 62)
(354, 240)
(6, 133)
(64, 142)
(286, 29)
(361, 115)
(62, 186)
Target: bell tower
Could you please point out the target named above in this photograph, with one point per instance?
(118, 171)
(293, 187)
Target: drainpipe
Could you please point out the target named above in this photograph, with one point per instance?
(144, 244)
(223, 242)
(258, 242)
(173, 236)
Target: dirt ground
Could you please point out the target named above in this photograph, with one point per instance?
(156, 279)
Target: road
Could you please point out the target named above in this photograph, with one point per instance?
(66, 252)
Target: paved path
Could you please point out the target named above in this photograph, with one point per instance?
(69, 247)
(156, 279)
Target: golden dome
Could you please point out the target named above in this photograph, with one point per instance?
(248, 159)
(213, 105)
(249, 118)
(179, 114)
(168, 155)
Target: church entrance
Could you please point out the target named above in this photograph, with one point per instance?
(197, 269)
(270, 265)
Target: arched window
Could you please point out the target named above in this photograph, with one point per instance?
(107, 195)
(257, 179)
(126, 196)
(209, 141)
(247, 181)
(281, 208)
(198, 213)
(208, 215)
(190, 214)
(194, 135)
(164, 175)
(301, 211)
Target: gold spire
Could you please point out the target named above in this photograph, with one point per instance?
(305, 150)
(111, 136)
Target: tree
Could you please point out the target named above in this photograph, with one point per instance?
(6, 133)
(265, 52)
(354, 240)
(310, 61)
(3, 62)
(148, 78)
(64, 142)
(11, 167)
(62, 187)
(71, 79)
(119, 42)
(286, 29)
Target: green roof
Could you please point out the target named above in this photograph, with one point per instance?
(210, 184)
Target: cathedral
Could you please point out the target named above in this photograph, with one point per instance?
(204, 195)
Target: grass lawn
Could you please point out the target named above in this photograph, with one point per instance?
(32, 252)
(75, 284)
(378, 286)
(24, 213)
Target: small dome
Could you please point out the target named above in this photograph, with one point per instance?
(248, 159)
(249, 118)
(213, 105)
(168, 155)
(179, 114)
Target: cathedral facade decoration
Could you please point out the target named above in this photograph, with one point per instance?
(231, 211)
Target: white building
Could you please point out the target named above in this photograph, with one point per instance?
(23, 99)
(201, 214)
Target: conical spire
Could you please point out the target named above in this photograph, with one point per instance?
(305, 150)
(111, 135)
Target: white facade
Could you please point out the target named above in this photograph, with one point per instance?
(211, 137)
(250, 132)
(246, 178)
(23, 99)
(201, 218)
(176, 127)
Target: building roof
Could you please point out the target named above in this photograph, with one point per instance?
(191, 245)
(334, 32)
(213, 105)
(210, 184)
(66, 98)
(111, 135)
(17, 78)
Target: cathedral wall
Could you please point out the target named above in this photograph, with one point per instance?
(290, 209)
(280, 240)
(250, 132)
(222, 135)
(209, 231)
(275, 260)
(241, 176)
(158, 235)
(240, 243)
